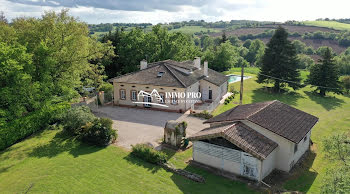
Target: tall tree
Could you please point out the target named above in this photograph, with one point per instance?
(51, 54)
(221, 58)
(343, 63)
(325, 75)
(133, 46)
(3, 18)
(279, 63)
(256, 52)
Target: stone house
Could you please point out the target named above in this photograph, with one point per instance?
(254, 139)
(166, 77)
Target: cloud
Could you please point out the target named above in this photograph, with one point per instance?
(161, 11)
(129, 5)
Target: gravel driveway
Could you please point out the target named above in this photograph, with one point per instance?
(145, 126)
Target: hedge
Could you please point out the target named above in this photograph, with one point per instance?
(18, 129)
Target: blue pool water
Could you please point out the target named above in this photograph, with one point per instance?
(236, 78)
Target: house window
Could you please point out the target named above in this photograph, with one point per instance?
(295, 148)
(305, 138)
(133, 95)
(122, 95)
(162, 96)
(173, 100)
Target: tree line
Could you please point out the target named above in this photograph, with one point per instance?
(44, 63)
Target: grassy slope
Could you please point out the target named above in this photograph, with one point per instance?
(49, 162)
(193, 29)
(329, 24)
(334, 117)
(186, 29)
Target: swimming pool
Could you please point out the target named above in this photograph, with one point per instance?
(235, 78)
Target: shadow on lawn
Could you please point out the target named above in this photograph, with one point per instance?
(265, 94)
(303, 175)
(5, 169)
(139, 162)
(151, 167)
(63, 143)
(327, 102)
(213, 183)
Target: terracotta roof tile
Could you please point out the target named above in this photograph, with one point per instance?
(242, 136)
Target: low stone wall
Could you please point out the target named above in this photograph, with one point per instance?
(184, 173)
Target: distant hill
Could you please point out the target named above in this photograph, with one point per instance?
(261, 29)
(297, 32)
(312, 33)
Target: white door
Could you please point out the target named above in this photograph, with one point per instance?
(147, 99)
(249, 166)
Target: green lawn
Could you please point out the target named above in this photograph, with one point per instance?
(49, 162)
(328, 24)
(334, 117)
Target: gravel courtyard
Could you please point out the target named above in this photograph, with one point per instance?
(145, 126)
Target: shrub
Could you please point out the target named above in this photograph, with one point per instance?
(230, 98)
(23, 127)
(99, 132)
(205, 114)
(75, 118)
(148, 154)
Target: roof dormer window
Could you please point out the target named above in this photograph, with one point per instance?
(160, 74)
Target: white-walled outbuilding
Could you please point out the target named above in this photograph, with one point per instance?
(254, 139)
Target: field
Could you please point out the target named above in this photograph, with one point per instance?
(291, 28)
(328, 24)
(259, 30)
(334, 117)
(193, 29)
(186, 29)
(49, 162)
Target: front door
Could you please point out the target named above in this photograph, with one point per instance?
(147, 99)
(210, 94)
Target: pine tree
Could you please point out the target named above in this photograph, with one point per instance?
(325, 75)
(279, 63)
(223, 38)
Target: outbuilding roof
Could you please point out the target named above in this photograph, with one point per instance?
(240, 135)
(275, 116)
(172, 76)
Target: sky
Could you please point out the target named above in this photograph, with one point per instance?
(164, 11)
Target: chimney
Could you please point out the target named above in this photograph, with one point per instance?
(206, 68)
(197, 62)
(143, 64)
